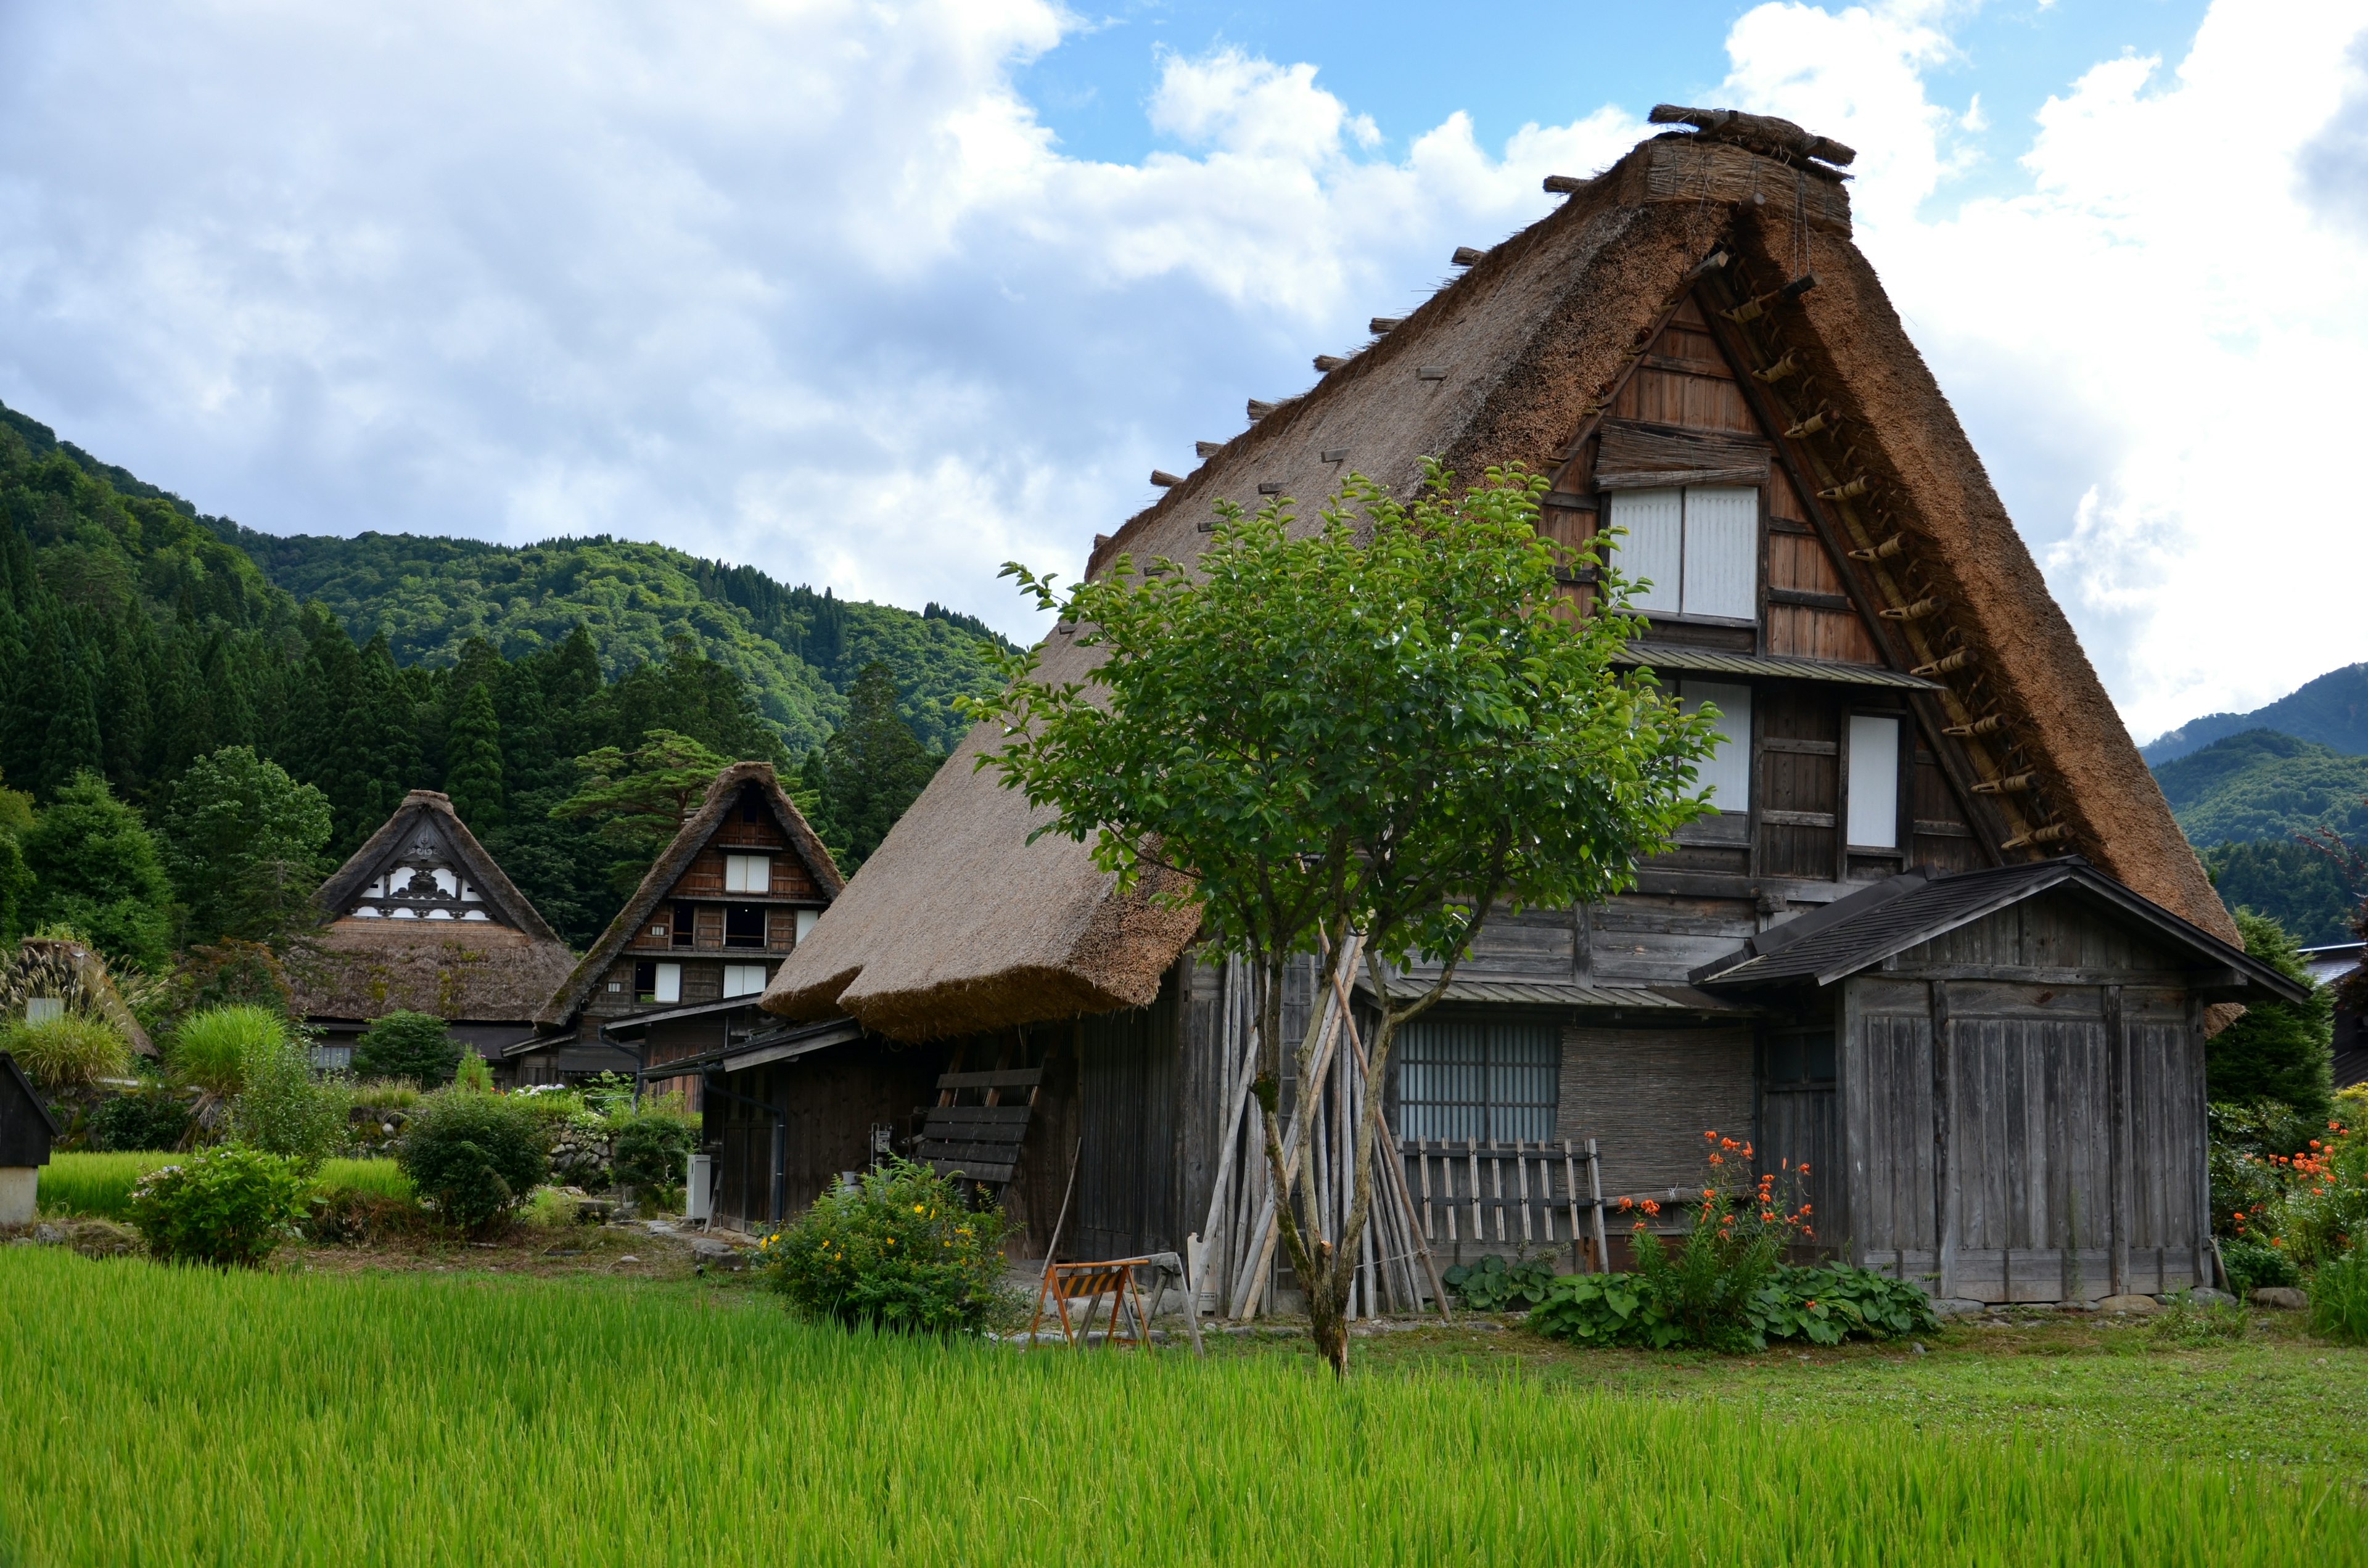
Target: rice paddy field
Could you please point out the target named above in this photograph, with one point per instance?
(78, 1182)
(158, 1415)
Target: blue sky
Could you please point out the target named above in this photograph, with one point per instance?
(882, 293)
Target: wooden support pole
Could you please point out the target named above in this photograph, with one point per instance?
(1595, 1191)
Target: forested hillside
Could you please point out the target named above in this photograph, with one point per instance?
(136, 639)
(2246, 800)
(799, 650)
(2331, 710)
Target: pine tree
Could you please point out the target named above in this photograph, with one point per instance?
(472, 751)
(2277, 1051)
(872, 768)
(241, 842)
(96, 867)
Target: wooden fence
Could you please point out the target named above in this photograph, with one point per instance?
(1475, 1199)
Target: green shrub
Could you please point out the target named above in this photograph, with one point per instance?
(404, 1044)
(2253, 1264)
(2339, 1296)
(1824, 1304)
(898, 1249)
(471, 1071)
(228, 1206)
(67, 1052)
(211, 1050)
(473, 1157)
(145, 1119)
(651, 1150)
(549, 1208)
(1492, 1285)
(281, 1111)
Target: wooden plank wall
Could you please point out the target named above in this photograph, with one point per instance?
(832, 1100)
(2023, 1110)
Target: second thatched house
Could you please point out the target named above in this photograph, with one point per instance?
(675, 976)
(1942, 942)
(421, 918)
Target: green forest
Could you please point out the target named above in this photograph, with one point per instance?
(2247, 802)
(186, 706)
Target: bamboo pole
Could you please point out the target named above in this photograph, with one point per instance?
(1303, 1113)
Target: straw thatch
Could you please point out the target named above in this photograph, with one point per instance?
(668, 869)
(500, 968)
(959, 924)
(77, 976)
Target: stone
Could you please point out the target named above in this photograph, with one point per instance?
(2138, 1304)
(48, 1235)
(1915, 1346)
(707, 1249)
(629, 1258)
(2205, 1296)
(1957, 1307)
(2284, 1298)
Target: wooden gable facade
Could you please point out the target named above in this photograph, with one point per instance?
(679, 970)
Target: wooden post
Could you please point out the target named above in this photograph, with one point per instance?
(1595, 1190)
(1302, 1114)
(1472, 1162)
(1570, 1191)
(2117, 1184)
(1945, 1123)
(1521, 1183)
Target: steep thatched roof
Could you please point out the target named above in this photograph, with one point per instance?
(669, 868)
(422, 918)
(958, 923)
(77, 975)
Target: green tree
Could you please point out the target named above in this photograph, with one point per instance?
(1379, 733)
(15, 877)
(473, 769)
(241, 842)
(2276, 1051)
(96, 867)
(642, 800)
(404, 1044)
(870, 771)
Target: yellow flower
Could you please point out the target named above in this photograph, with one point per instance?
(916, 1209)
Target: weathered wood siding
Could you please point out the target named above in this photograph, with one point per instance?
(2023, 1111)
(831, 1102)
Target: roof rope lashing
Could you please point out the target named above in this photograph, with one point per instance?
(1988, 725)
(2053, 832)
(1883, 551)
(2008, 784)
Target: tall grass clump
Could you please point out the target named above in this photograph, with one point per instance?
(2339, 1296)
(68, 1052)
(210, 1048)
(263, 1419)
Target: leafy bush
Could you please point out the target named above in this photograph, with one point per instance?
(472, 1157)
(652, 1149)
(1735, 1244)
(211, 1050)
(549, 1208)
(67, 1052)
(1492, 1285)
(404, 1044)
(281, 1109)
(1824, 1305)
(471, 1073)
(2252, 1265)
(897, 1249)
(145, 1119)
(2339, 1296)
(228, 1206)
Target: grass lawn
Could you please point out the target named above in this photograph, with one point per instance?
(447, 1411)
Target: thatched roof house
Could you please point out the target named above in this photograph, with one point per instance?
(421, 918)
(959, 923)
(679, 970)
(1695, 353)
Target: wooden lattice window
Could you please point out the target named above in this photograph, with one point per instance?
(1491, 1079)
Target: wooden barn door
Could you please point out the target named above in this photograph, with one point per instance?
(1891, 1221)
(1128, 1162)
(2028, 1215)
(2167, 1230)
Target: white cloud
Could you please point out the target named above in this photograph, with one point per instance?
(806, 286)
(2152, 344)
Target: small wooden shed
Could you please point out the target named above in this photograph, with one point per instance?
(26, 1133)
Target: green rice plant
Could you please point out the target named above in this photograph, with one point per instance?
(67, 1052)
(2339, 1296)
(80, 1182)
(331, 1418)
(375, 1178)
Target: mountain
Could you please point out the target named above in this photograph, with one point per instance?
(2243, 802)
(2264, 785)
(2332, 711)
(799, 650)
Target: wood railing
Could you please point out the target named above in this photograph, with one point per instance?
(1476, 1198)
